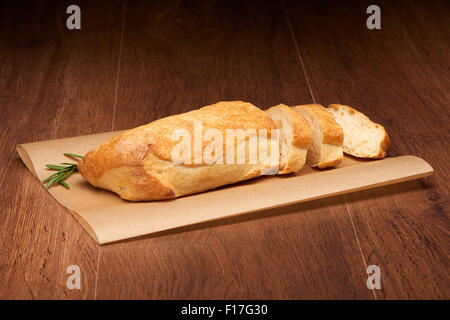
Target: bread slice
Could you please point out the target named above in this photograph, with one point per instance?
(295, 137)
(326, 146)
(362, 137)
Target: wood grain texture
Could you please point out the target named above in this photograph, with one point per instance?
(182, 55)
(396, 76)
(136, 61)
(54, 83)
(290, 252)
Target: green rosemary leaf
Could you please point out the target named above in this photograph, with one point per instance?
(55, 167)
(63, 176)
(63, 171)
(73, 155)
(65, 185)
(51, 182)
(49, 177)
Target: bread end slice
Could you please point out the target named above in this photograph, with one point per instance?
(295, 137)
(362, 137)
(326, 146)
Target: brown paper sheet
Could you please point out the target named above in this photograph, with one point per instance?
(108, 218)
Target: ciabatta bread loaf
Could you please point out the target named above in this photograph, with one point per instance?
(139, 164)
(362, 137)
(327, 137)
(295, 137)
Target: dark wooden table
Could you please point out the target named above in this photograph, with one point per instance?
(133, 62)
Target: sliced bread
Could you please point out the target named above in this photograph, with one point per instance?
(295, 137)
(362, 137)
(326, 146)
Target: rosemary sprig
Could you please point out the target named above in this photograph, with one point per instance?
(63, 171)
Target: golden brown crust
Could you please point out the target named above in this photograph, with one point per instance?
(386, 143)
(115, 153)
(221, 116)
(332, 131)
(301, 129)
(130, 147)
(331, 163)
(137, 164)
(134, 183)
